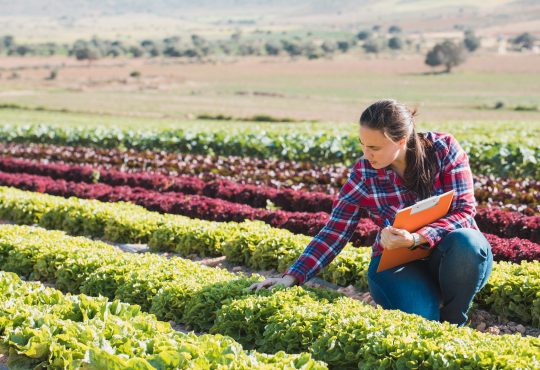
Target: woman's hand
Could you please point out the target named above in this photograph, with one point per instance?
(393, 238)
(287, 280)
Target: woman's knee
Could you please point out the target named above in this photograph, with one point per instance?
(466, 243)
(466, 258)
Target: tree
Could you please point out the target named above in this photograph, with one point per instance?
(87, 52)
(51, 48)
(292, 48)
(329, 46)
(312, 51)
(395, 43)
(272, 48)
(363, 35)
(198, 41)
(200, 44)
(249, 48)
(154, 51)
(172, 51)
(115, 51)
(225, 47)
(136, 51)
(100, 45)
(394, 29)
(236, 36)
(173, 40)
(8, 41)
(372, 46)
(21, 50)
(471, 41)
(192, 53)
(343, 46)
(53, 74)
(147, 44)
(446, 53)
(524, 40)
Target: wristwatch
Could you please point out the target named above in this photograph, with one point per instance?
(416, 239)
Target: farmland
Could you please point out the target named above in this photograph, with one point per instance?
(140, 197)
(213, 206)
(84, 192)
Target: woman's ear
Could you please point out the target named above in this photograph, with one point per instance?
(403, 142)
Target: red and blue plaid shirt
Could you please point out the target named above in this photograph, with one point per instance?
(382, 193)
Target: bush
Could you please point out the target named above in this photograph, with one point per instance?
(471, 41)
(524, 40)
(53, 74)
(395, 43)
(528, 108)
(394, 29)
(363, 35)
(273, 48)
(372, 46)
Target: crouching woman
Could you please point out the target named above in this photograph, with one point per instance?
(400, 167)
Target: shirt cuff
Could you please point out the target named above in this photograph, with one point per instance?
(298, 275)
(430, 234)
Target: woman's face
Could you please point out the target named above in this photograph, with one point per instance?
(378, 149)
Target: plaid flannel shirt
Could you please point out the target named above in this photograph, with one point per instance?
(382, 193)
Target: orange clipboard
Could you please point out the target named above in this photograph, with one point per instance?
(411, 219)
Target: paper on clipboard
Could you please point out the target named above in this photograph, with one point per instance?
(411, 219)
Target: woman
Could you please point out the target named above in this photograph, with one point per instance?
(400, 167)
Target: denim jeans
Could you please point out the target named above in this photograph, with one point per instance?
(440, 287)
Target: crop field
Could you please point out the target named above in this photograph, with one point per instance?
(129, 232)
(72, 199)
(141, 195)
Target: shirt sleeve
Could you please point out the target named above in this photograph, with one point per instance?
(456, 174)
(331, 239)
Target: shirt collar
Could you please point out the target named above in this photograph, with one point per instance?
(387, 173)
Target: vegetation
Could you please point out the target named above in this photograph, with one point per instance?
(447, 54)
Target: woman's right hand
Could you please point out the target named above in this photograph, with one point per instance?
(269, 283)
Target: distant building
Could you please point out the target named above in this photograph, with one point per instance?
(501, 48)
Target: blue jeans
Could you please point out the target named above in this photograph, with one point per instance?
(440, 287)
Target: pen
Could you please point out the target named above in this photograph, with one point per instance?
(386, 223)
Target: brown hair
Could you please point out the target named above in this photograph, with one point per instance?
(397, 122)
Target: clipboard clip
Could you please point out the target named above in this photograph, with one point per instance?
(425, 204)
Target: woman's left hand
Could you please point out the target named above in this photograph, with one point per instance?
(393, 238)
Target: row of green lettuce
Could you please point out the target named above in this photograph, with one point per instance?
(513, 290)
(41, 327)
(487, 156)
(338, 330)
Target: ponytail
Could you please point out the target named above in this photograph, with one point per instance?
(420, 171)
